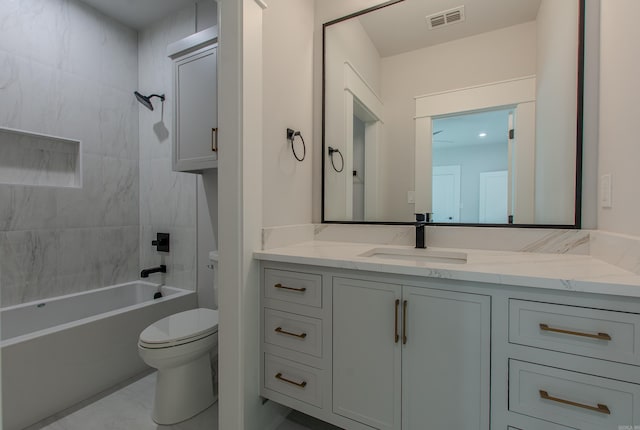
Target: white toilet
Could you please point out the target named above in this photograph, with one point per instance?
(179, 346)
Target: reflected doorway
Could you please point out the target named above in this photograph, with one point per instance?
(477, 149)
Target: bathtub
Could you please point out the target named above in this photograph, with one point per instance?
(58, 352)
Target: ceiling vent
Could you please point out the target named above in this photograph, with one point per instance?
(446, 17)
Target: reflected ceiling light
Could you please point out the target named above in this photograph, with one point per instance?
(483, 134)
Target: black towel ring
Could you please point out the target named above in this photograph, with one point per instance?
(291, 136)
(331, 152)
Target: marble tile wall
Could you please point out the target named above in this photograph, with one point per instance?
(555, 241)
(167, 199)
(67, 70)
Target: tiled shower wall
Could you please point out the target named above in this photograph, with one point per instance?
(167, 199)
(68, 71)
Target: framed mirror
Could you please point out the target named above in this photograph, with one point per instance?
(468, 110)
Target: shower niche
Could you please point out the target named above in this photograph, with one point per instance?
(35, 159)
(195, 86)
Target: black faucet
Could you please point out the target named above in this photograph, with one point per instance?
(146, 272)
(421, 221)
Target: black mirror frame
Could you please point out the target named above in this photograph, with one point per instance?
(579, 132)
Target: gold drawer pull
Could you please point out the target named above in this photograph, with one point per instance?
(214, 139)
(404, 322)
(297, 384)
(603, 409)
(282, 287)
(397, 337)
(599, 336)
(288, 333)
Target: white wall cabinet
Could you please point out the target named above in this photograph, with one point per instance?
(410, 358)
(195, 135)
(366, 350)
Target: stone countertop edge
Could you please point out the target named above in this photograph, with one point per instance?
(578, 273)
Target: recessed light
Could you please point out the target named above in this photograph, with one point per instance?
(483, 134)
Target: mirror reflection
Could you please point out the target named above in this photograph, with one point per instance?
(467, 112)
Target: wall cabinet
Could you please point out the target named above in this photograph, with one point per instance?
(195, 102)
(365, 350)
(405, 356)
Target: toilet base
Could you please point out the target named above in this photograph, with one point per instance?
(183, 392)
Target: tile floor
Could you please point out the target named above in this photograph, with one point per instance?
(128, 407)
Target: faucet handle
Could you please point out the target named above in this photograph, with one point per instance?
(423, 217)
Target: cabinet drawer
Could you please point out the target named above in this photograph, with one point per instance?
(573, 399)
(608, 335)
(294, 287)
(292, 331)
(293, 379)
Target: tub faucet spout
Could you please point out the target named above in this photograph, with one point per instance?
(146, 272)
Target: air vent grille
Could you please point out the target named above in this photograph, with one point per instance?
(446, 17)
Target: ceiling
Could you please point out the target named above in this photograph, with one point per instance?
(402, 27)
(138, 14)
(464, 130)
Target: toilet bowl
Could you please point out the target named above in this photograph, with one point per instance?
(180, 347)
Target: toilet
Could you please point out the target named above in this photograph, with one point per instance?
(180, 347)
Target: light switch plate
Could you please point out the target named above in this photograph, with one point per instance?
(411, 197)
(605, 191)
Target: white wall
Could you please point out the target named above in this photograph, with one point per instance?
(473, 160)
(325, 10)
(240, 217)
(619, 150)
(458, 64)
(556, 107)
(350, 43)
(288, 82)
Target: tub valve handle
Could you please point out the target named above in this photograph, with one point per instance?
(162, 242)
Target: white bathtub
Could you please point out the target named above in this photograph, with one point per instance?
(58, 352)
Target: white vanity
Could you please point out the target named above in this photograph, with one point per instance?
(366, 336)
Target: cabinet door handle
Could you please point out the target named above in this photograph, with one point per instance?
(289, 381)
(603, 409)
(599, 336)
(404, 322)
(214, 139)
(288, 333)
(282, 287)
(397, 336)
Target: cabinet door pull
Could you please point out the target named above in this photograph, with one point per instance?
(404, 322)
(282, 287)
(288, 333)
(599, 336)
(397, 336)
(603, 409)
(289, 381)
(214, 139)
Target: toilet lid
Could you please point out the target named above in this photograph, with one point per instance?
(181, 326)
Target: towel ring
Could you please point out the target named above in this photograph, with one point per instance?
(291, 136)
(331, 152)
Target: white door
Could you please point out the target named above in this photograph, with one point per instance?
(446, 360)
(494, 191)
(446, 194)
(366, 353)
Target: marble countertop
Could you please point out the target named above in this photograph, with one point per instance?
(580, 273)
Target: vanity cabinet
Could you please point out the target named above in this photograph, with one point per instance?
(366, 350)
(195, 102)
(405, 356)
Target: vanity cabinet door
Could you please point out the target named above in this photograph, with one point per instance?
(366, 352)
(445, 360)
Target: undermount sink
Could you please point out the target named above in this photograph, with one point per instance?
(417, 255)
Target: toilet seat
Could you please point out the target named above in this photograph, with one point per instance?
(180, 328)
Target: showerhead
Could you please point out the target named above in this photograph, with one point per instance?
(146, 100)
